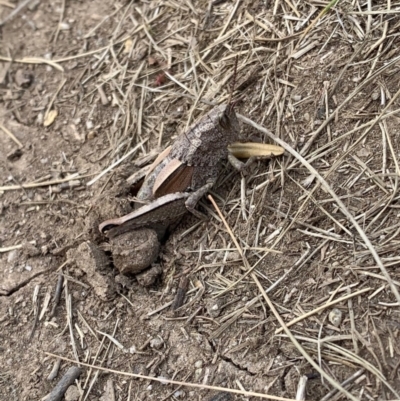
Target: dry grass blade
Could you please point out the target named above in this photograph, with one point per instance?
(42, 184)
(11, 135)
(250, 149)
(34, 60)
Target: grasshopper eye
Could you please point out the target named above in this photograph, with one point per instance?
(224, 120)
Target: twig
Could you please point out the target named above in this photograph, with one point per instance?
(69, 378)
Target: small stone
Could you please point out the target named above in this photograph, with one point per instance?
(39, 118)
(375, 95)
(23, 78)
(72, 394)
(156, 343)
(12, 256)
(28, 268)
(214, 307)
(64, 26)
(198, 364)
(297, 98)
(197, 374)
(89, 124)
(363, 152)
(306, 117)
(91, 135)
(335, 317)
(152, 61)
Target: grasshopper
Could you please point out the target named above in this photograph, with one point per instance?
(190, 167)
(183, 173)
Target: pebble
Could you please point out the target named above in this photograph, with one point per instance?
(23, 78)
(156, 343)
(12, 256)
(214, 307)
(39, 118)
(197, 374)
(91, 135)
(335, 317)
(198, 364)
(64, 26)
(375, 95)
(72, 394)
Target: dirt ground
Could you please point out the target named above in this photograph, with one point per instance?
(84, 84)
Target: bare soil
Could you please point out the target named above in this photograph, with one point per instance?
(83, 83)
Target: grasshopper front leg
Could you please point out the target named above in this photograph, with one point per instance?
(194, 198)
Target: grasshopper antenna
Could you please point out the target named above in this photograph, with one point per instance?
(230, 104)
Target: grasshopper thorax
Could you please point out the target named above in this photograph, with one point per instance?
(206, 142)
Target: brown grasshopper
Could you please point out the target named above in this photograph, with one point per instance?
(191, 164)
(182, 174)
